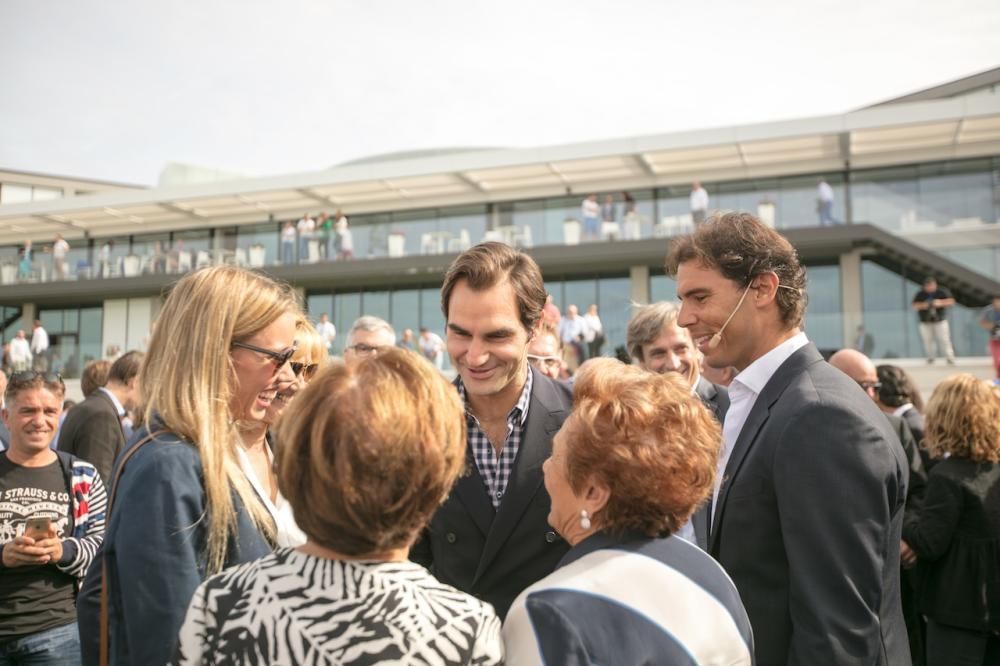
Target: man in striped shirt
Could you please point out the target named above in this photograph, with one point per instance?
(52, 508)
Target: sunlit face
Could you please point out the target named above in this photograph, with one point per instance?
(366, 343)
(32, 418)
(564, 514)
(543, 353)
(673, 351)
(707, 299)
(487, 343)
(257, 380)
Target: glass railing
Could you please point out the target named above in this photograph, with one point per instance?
(527, 225)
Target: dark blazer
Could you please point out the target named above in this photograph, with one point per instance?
(915, 421)
(93, 431)
(494, 555)
(809, 520)
(918, 475)
(716, 398)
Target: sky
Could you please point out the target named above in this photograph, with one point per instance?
(115, 89)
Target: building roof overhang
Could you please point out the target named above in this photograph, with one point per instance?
(896, 134)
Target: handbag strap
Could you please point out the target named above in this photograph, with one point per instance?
(103, 656)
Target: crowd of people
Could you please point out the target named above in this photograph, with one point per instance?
(234, 495)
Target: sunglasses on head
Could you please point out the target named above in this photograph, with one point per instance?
(279, 358)
(27, 376)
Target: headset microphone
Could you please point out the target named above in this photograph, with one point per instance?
(717, 338)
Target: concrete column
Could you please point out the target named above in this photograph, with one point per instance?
(851, 296)
(29, 313)
(639, 276)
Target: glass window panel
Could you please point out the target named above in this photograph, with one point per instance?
(465, 222)
(10, 332)
(120, 247)
(347, 308)
(886, 311)
(194, 241)
(91, 333)
(52, 321)
(531, 215)
(260, 237)
(376, 303)
(418, 227)
(405, 310)
(432, 317)
(319, 304)
(152, 250)
(430, 310)
(662, 288)
(824, 320)
(580, 293)
(614, 302)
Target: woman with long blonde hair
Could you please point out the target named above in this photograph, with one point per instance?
(182, 507)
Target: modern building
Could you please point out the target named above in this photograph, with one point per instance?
(915, 184)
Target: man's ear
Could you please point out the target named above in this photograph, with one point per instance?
(765, 288)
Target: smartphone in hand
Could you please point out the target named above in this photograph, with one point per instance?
(38, 527)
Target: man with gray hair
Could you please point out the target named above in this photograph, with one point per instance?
(367, 336)
(659, 345)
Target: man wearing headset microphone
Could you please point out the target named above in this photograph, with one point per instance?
(808, 504)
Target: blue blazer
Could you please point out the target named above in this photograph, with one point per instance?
(154, 551)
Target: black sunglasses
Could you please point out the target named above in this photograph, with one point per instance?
(26, 376)
(279, 358)
(870, 386)
(307, 370)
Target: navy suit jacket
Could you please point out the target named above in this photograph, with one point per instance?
(495, 554)
(809, 519)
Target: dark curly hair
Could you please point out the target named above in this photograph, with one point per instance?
(741, 247)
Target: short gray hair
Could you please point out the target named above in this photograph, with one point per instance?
(370, 323)
(646, 325)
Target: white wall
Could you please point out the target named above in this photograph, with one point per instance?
(127, 322)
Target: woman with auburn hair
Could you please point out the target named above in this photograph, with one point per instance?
(182, 509)
(366, 454)
(256, 450)
(630, 465)
(956, 535)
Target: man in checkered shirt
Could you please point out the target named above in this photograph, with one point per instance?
(491, 537)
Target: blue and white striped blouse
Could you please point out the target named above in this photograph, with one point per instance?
(627, 602)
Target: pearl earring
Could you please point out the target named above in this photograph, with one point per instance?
(584, 520)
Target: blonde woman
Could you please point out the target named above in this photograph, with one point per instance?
(183, 509)
(256, 451)
(362, 489)
(956, 535)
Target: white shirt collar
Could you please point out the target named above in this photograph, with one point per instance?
(756, 375)
(902, 409)
(119, 407)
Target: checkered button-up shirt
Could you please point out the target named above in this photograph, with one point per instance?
(496, 468)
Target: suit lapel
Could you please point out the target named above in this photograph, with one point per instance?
(775, 387)
(544, 420)
(471, 492)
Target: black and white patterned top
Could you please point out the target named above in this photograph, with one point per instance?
(293, 608)
(495, 469)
